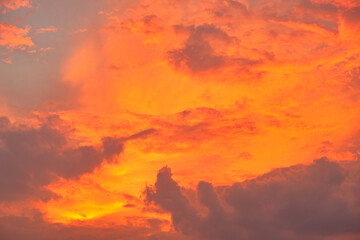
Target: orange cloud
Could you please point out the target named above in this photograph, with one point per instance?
(13, 37)
(219, 91)
(7, 60)
(14, 4)
(47, 29)
(232, 88)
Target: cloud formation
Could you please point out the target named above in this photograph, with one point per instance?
(315, 201)
(226, 90)
(36, 228)
(14, 4)
(47, 29)
(198, 54)
(31, 158)
(13, 37)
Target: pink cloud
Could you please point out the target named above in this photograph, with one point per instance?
(14, 4)
(47, 29)
(13, 37)
(7, 60)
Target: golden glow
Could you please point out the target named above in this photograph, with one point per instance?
(282, 95)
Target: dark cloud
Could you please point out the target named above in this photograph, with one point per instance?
(317, 201)
(168, 195)
(230, 9)
(31, 158)
(142, 134)
(19, 228)
(199, 55)
(4, 122)
(355, 77)
(352, 15)
(322, 14)
(352, 18)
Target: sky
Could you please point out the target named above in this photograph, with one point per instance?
(179, 119)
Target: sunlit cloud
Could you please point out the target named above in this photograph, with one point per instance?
(13, 37)
(235, 97)
(47, 29)
(7, 60)
(14, 4)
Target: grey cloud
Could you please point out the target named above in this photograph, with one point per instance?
(305, 11)
(198, 54)
(317, 201)
(230, 9)
(352, 16)
(168, 195)
(355, 77)
(142, 134)
(19, 228)
(31, 158)
(4, 122)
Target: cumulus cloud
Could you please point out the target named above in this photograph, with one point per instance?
(315, 201)
(167, 194)
(13, 37)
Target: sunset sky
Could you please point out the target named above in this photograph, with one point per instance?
(179, 119)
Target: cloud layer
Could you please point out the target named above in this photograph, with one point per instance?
(235, 96)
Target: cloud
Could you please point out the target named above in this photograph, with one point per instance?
(352, 18)
(316, 201)
(31, 158)
(13, 37)
(320, 13)
(198, 54)
(7, 60)
(167, 194)
(341, 3)
(35, 227)
(142, 134)
(17, 228)
(47, 29)
(190, 129)
(14, 4)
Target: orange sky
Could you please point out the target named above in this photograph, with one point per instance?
(97, 97)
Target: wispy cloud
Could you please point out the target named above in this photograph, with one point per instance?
(47, 29)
